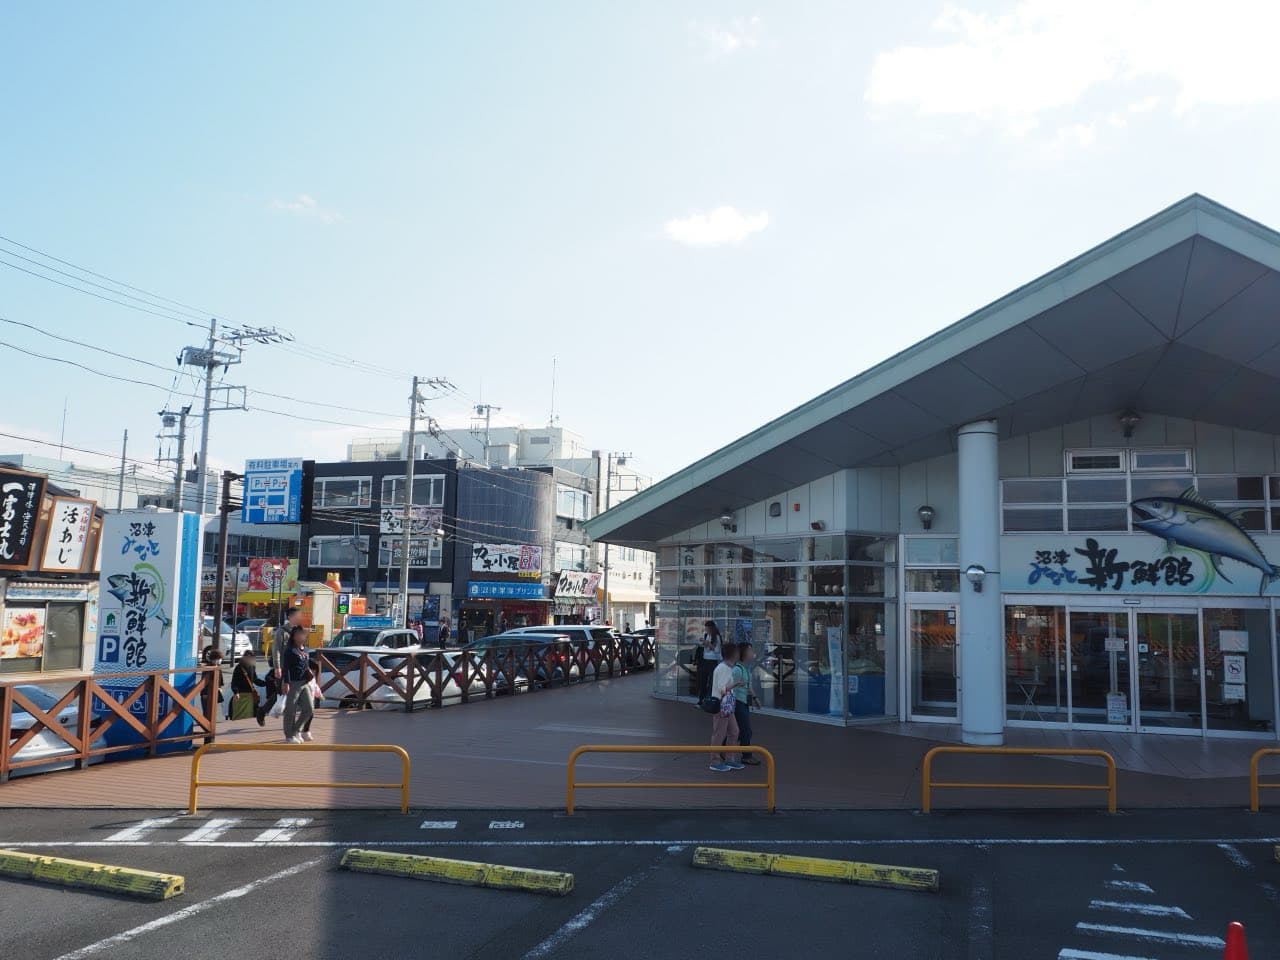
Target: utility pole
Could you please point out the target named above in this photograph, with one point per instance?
(171, 419)
(414, 401)
(485, 410)
(610, 459)
(124, 450)
(202, 478)
(223, 531)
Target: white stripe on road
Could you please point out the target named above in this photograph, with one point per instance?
(593, 910)
(138, 829)
(1145, 909)
(439, 825)
(1133, 885)
(185, 913)
(1117, 868)
(506, 824)
(1066, 953)
(210, 831)
(284, 829)
(981, 929)
(1235, 856)
(1152, 936)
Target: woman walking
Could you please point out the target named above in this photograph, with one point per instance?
(724, 726)
(298, 707)
(709, 656)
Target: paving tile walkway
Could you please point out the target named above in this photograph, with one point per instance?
(511, 753)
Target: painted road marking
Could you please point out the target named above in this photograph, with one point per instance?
(210, 831)
(284, 829)
(1132, 885)
(592, 911)
(601, 731)
(1152, 936)
(185, 913)
(981, 928)
(1145, 909)
(1066, 953)
(506, 824)
(439, 825)
(1235, 856)
(137, 831)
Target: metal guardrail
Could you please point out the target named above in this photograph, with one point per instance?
(572, 784)
(1254, 785)
(928, 784)
(151, 710)
(402, 786)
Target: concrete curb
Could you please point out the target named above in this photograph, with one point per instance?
(464, 872)
(816, 868)
(90, 876)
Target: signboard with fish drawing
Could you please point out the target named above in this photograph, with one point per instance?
(149, 589)
(1198, 549)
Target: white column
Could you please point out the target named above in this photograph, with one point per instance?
(981, 633)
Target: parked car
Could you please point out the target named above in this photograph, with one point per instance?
(390, 639)
(235, 641)
(389, 657)
(46, 745)
(502, 645)
(253, 630)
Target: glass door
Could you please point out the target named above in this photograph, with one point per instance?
(1100, 663)
(1168, 673)
(933, 662)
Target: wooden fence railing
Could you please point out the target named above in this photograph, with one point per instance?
(151, 709)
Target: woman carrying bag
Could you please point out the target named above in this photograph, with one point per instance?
(708, 654)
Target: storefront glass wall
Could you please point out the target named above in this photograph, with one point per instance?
(819, 611)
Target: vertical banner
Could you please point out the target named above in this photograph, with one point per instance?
(149, 591)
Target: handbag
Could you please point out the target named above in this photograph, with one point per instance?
(711, 704)
(243, 706)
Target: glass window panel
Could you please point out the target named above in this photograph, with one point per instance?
(819, 657)
(1032, 491)
(1250, 518)
(1231, 488)
(1273, 485)
(937, 580)
(778, 551)
(669, 556)
(1238, 691)
(1032, 519)
(872, 549)
(1097, 462)
(868, 582)
(1103, 490)
(343, 491)
(828, 548)
(1036, 663)
(1161, 459)
(1089, 519)
(939, 551)
(829, 581)
(1159, 486)
(870, 634)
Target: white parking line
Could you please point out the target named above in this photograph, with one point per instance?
(506, 824)
(185, 913)
(210, 831)
(1066, 953)
(1235, 856)
(1145, 909)
(439, 825)
(1152, 936)
(1132, 885)
(137, 831)
(981, 929)
(284, 829)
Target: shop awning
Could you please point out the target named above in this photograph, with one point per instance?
(1192, 293)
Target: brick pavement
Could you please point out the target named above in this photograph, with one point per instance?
(511, 753)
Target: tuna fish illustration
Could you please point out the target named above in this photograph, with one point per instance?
(125, 586)
(1194, 522)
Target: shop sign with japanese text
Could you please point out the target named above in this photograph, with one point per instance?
(20, 498)
(67, 542)
(524, 560)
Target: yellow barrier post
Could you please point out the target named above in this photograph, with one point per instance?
(1254, 785)
(572, 784)
(927, 782)
(402, 786)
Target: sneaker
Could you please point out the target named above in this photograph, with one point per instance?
(734, 765)
(306, 738)
(720, 768)
(751, 761)
(292, 739)
(262, 719)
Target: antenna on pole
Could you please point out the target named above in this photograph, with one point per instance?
(554, 418)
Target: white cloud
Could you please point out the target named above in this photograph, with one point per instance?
(723, 39)
(723, 226)
(305, 205)
(1096, 58)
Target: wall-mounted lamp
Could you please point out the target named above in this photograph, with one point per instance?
(727, 521)
(775, 508)
(817, 525)
(976, 573)
(1128, 421)
(926, 514)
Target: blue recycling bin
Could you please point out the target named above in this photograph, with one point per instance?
(866, 694)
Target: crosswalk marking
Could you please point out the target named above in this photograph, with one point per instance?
(1235, 856)
(137, 831)
(1145, 909)
(506, 824)
(284, 829)
(1132, 885)
(1152, 936)
(210, 831)
(439, 825)
(1066, 953)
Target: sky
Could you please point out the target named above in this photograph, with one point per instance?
(703, 214)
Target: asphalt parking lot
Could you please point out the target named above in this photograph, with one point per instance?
(1077, 886)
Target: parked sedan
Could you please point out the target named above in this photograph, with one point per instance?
(235, 641)
(45, 745)
(548, 649)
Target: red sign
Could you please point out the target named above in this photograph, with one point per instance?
(266, 573)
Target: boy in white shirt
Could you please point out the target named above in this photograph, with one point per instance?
(724, 726)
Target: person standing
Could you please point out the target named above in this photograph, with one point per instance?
(280, 642)
(298, 707)
(709, 657)
(744, 698)
(724, 727)
(244, 682)
(444, 632)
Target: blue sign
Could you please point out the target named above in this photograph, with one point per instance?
(272, 491)
(361, 621)
(489, 590)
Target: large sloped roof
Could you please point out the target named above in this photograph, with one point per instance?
(1177, 315)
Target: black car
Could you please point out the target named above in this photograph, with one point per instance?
(547, 649)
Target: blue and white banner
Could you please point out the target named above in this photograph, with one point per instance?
(491, 590)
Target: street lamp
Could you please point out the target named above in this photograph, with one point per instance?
(976, 573)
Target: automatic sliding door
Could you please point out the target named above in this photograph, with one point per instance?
(933, 662)
(1167, 654)
(1099, 649)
